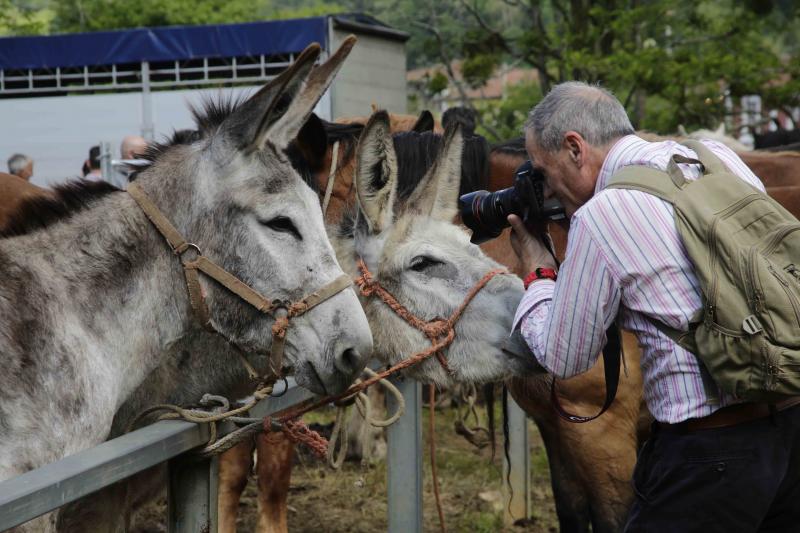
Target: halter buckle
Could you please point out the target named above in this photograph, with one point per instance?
(185, 248)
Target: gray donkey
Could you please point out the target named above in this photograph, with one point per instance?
(94, 301)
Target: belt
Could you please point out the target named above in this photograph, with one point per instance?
(733, 415)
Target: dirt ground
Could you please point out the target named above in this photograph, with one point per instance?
(353, 500)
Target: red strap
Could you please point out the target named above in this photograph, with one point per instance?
(539, 273)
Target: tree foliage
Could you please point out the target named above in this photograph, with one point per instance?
(670, 61)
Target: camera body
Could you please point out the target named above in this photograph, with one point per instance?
(486, 214)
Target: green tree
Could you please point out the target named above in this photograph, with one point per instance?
(670, 61)
(93, 15)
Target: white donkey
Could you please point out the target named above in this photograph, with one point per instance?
(415, 250)
(91, 303)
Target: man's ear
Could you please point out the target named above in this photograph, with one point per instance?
(574, 144)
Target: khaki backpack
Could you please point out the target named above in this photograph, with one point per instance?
(745, 248)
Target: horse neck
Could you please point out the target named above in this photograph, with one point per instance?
(106, 291)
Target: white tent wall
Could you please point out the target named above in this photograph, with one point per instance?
(58, 131)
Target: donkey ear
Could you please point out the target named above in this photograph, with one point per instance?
(437, 193)
(250, 123)
(424, 122)
(376, 172)
(720, 129)
(288, 125)
(682, 131)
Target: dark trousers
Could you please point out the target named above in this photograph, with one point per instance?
(734, 479)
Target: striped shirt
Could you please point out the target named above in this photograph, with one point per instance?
(624, 255)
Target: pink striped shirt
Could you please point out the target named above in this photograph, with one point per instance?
(625, 255)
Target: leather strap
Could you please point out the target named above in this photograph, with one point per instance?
(612, 354)
(733, 415)
(283, 311)
(331, 178)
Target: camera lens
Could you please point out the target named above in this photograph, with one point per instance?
(486, 213)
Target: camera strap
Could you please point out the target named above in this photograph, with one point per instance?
(612, 354)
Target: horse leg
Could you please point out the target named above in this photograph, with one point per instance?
(234, 466)
(274, 467)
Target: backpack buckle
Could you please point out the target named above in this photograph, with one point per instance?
(751, 325)
(794, 271)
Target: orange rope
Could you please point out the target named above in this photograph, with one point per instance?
(434, 476)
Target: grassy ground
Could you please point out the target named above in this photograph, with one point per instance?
(353, 500)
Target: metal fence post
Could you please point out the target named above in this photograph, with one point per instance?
(516, 487)
(404, 461)
(192, 495)
(106, 169)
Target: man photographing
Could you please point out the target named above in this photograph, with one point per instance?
(714, 461)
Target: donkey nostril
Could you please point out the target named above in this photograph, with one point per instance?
(348, 361)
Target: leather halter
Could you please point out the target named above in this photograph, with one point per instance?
(281, 310)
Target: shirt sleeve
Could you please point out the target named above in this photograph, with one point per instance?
(734, 163)
(565, 322)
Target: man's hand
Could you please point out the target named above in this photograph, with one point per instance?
(530, 250)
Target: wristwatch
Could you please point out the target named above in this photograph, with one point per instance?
(539, 273)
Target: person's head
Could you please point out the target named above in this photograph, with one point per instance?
(132, 146)
(20, 165)
(568, 135)
(93, 163)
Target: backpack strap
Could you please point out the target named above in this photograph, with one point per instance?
(646, 179)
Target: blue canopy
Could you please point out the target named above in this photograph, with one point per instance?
(162, 44)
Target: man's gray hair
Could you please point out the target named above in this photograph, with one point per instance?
(590, 110)
(17, 163)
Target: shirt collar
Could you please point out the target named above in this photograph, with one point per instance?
(615, 159)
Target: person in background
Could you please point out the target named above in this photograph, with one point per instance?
(21, 165)
(131, 150)
(92, 164)
(132, 147)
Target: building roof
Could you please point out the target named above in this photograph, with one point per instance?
(169, 43)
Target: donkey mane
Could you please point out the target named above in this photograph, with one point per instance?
(514, 146)
(68, 199)
(416, 153)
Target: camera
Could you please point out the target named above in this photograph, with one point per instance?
(486, 214)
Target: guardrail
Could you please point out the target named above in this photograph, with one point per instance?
(192, 491)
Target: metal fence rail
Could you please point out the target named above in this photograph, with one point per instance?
(192, 487)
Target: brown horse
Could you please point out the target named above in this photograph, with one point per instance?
(13, 191)
(591, 464)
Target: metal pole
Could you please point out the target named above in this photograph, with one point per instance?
(148, 130)
(192, 495)
(105, 162)
(404, 461)
(516, 485)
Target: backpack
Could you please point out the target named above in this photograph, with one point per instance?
(745, 248)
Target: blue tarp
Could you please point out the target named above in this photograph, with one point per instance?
(161, 44)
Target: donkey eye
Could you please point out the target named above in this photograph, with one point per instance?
(282, 225)
(422, 263)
